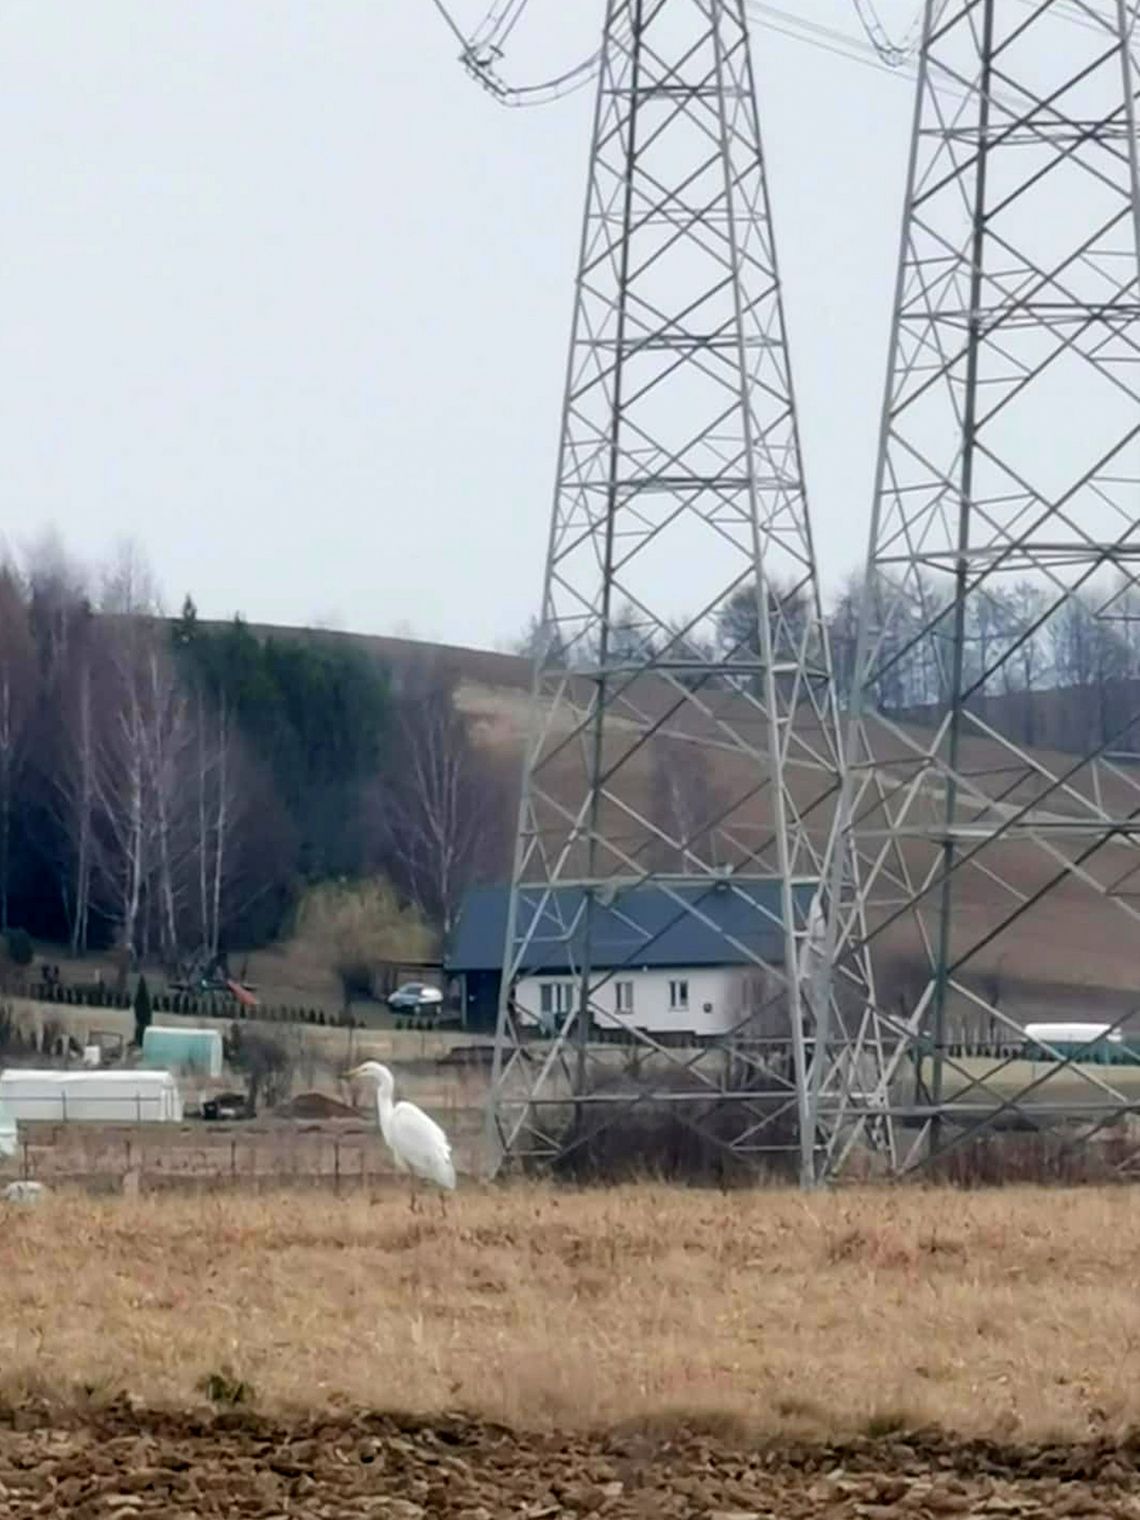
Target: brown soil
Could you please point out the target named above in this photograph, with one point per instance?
(314, 1105)
(123, 1463)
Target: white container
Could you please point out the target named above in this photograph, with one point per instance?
(107, 1097)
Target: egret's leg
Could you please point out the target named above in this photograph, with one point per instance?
(412, 1191)
(443, 1202)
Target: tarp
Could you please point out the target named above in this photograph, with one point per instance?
(173, 1048)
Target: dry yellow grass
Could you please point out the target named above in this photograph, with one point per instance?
(1011, 1313)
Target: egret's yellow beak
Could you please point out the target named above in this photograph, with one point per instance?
(349, 1075)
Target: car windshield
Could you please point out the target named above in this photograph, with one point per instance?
(412, 987)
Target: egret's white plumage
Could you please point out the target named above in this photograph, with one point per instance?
(417, 1143)
(813, 954)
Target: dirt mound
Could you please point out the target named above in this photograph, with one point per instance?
(314, 1105)
(128, 1463)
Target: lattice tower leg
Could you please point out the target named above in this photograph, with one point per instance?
(994, 838)
(685, 748)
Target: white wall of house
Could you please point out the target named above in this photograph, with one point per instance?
(704, 1001)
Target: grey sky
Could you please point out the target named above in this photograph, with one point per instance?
(286, 298)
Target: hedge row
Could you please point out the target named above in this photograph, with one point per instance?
(190, 1005)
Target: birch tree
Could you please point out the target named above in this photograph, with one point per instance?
(17, 694)
(684, 806)
(220, 807)
(442, 808)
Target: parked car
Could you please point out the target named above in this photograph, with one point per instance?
(416, 997)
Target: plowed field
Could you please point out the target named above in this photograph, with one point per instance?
(558, 1353)
(125, 1464)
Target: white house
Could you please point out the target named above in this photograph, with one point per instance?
(703, 1000)
(678, 960)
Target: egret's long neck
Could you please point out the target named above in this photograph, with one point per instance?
(384, 1107)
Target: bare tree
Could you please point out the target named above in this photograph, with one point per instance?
(73, 778)
(541, 641)
(683, 805)
(58, 605)
(120, 783)
(142, 786)
(168, 740)
(129, 588)
(221, 802)
(442, 809)
(266, 1061)
(17, 696)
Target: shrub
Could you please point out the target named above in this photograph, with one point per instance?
(19, 946)
(354, 927)
(267, 1064)
(617, 1142)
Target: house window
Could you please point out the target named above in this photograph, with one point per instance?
(555, 997)
(623, 997)
(679, 996)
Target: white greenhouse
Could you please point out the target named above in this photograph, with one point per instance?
(108, 1097)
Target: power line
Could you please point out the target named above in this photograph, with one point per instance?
(1078, 13)
(829, 39)
(498, 24)
(482, 51)
(450, 22)
(892, 53)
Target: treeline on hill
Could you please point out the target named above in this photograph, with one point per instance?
(1042, 667)
(169, 785)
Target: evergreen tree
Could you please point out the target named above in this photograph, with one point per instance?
(142, 1010)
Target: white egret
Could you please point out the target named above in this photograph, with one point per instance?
(418, 1145)
(813, 955)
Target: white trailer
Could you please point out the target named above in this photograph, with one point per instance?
(108, 1097)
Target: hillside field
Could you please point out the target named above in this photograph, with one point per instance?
(1071, 955)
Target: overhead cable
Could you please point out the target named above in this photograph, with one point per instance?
(893, 54)
(482, 51)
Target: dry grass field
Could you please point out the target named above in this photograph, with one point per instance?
(1011, 1314)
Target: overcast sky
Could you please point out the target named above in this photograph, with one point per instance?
(285, 298)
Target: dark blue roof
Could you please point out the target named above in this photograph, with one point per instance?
(644, 925)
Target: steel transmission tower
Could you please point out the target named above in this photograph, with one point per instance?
(683, 768)
(996, 845)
